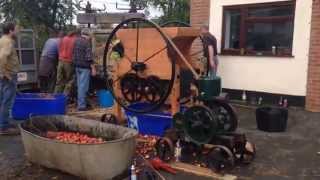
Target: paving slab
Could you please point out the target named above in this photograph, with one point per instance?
(280, 156)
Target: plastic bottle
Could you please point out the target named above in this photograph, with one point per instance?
(274, 50)
(133, 173)
(281, 101)
(177, 153)
(260, 101)
(244, 96)
(285, 103)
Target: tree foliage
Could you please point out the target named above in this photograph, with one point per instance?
(43, 16)
(52, 15)
(173, 10)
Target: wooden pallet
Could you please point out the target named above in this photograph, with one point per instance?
(200, 171)
(95, 113)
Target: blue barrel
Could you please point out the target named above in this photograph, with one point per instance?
(105, 98)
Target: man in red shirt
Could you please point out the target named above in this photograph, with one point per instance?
(65, 71)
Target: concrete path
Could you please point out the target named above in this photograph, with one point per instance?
(280, 156)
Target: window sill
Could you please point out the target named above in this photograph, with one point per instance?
(254, 55)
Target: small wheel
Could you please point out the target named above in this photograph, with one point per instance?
(226, 115)
(220, 158)
(131, 87)
(165, 149)
(152, 89)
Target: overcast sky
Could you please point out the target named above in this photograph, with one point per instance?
(111, 6)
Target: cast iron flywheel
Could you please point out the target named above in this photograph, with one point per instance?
(199, 124)
(131, 90)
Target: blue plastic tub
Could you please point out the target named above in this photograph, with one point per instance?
(105, 98)
(154, 123)
(27, 104)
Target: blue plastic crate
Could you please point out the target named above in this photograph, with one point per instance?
(27, 104)
(154, 123)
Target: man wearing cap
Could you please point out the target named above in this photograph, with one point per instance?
(83, 62)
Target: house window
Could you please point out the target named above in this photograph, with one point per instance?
(259, 29)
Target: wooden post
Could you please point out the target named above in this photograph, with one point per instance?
(186, 62)
(175, 94)
(117, 108)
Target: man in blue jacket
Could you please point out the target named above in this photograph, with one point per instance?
(48, 64)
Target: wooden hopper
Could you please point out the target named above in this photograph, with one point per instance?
(158, 49)
(151, 43)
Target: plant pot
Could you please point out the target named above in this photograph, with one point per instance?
(272, 119)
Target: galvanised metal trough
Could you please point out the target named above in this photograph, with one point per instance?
(89, 161)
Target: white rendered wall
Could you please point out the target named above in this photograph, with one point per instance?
(266, 74)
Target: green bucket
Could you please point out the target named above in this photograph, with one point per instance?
(209, 88)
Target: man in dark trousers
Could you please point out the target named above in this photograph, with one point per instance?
(210, 51)
(49, 62)
(83, 62)
(9, 67)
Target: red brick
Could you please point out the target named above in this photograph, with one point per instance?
(199, 15)
(313, 86)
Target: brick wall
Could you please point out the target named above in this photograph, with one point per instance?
(200, 12)
(199, 15)
(313, 87)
